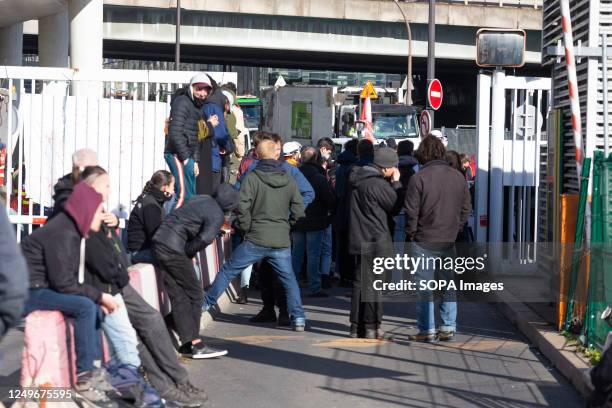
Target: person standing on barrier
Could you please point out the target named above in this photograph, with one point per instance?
(184, 233)
(437, 205)
(373, 203)
(185, 130)
(270, 203)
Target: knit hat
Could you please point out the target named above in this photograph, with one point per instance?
(82, 205)
(385, 157)
(226, 196)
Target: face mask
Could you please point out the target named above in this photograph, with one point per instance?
(326, 155)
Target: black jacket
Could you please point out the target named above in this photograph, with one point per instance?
(319, 211)
(105, 262)
(182, 139)
(437, 203)
(406, 168)
(13, 277)
(62, 190)
(373, 203)
(146, 217)
(346, 163)
(192, 227)
(53, 254)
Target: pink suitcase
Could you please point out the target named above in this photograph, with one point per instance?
(144, 280)
(46, 359)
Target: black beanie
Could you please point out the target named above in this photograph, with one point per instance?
(227, 196)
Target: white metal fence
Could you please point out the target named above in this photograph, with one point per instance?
(118, 113)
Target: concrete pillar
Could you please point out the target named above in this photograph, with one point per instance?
(11, 45)
(86, 33)
(53, 40)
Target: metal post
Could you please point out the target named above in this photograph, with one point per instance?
(177, 57)
(496, 201)
(431, 49)
(604, 67)
(482, 173)
(408, 97)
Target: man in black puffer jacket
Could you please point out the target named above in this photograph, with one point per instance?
(186, 128)
(181, 236)
(308, 234)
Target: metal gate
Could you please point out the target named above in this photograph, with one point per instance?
(511, 117)
(122, 120)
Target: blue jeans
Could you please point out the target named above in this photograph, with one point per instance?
(448, 304)
(184, 178)
(84, 313)
(326, 251)
(245, 276)
(310, 242)
(121, 335)
(247, 254)
(142, 256)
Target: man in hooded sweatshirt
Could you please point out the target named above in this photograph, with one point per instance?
(186, 128)
(270, 204)
(181, 236)
(54, 255)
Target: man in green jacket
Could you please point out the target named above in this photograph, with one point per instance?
(270, 204)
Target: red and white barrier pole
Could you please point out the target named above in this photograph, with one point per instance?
(570, 62)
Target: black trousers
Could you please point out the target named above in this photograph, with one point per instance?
(155, 346)
(184, 290)
(367, 314)
(344, 261)
(272, 292)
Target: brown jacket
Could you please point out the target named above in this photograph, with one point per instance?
(437, 203)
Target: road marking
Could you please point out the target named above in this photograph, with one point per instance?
(260, 339)
(351, 343)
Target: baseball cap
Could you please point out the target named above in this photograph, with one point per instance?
(290, 148)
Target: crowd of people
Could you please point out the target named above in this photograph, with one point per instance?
(291, 209)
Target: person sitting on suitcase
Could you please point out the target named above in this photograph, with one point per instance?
(270, 203)
(184, 232)
(55, 257)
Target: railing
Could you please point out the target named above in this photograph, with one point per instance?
(118, 113)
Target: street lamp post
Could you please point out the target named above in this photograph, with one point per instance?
(408, 98)
(431, 50)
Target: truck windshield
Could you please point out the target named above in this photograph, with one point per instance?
(389, 125)
(251, 115)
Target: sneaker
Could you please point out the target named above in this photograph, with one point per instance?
(283, 318)
(243, 296)
(299, 324)
(176, 398)
(319, 294)
(423, 337)
(264, 316)
(200, 351)
(193, 391)
(87, 390)
(446, 335)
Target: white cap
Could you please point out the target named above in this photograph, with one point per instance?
(290, 148)
(440, 136)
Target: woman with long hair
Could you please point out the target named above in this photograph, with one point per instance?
(147, 216)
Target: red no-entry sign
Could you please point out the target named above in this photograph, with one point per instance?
(434, 94)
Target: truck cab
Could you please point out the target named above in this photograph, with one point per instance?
(251, 107)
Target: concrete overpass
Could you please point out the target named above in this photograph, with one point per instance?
(366, 35)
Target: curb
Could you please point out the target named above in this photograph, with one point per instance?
(550, 343)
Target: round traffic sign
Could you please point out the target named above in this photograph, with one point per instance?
(425, 124)
(434, 94)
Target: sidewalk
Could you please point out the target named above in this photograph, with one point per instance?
(489, 365)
